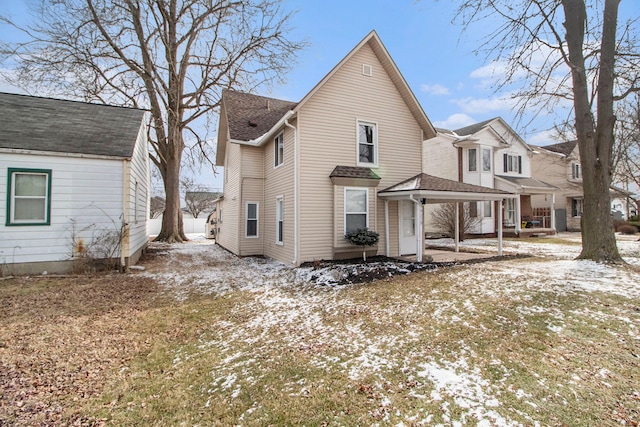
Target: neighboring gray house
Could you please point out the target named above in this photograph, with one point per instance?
(74, 183)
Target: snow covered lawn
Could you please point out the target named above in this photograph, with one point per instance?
(535, 341)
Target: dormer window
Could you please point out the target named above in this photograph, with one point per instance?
(367, 143)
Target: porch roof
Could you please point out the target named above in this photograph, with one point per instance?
(527, 185)
(440, 190)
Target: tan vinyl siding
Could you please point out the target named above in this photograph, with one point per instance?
(229, 236)
(328, 124)
(279, 182)
(252, 186)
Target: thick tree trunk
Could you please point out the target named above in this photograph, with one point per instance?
(595, 142)
(172, 226)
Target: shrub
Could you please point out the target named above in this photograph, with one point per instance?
(617, 223)
(627, 229)
(363, 237)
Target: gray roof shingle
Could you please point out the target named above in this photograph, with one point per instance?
(353, 172)
(251, 116)
(564, 148)
(427, 182)
(527, 182)
(471, 129)
(55, 125)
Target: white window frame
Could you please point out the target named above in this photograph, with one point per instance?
(488, 206)
(375, 142)
(578, 203)
(576, 171)
(11, 197)
(513, 163)
(366, 212)
(278, 150)
(135, 202)
(279, 220)
(482, 153)
(475, 156)
(510, 209)
(247, 219)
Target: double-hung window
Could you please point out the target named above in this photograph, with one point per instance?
(278, 154)
(252, 219)
(575, 171)
(486, 160)
(487, 209)
(512, 163)
(356, 209)
(280, 220)
(28, 197)
(367, 143)
(576, 207)
(473, 159)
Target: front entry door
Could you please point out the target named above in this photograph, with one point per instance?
(407, 226)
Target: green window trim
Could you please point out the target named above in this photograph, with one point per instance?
(10, 220)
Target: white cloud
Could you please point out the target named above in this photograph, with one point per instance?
(436, 89)
(481, 106)
(542, 138)
(455, 121)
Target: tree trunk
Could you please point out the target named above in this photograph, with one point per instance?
(595, 142)
(172, 226)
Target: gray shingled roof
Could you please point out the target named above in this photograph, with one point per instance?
(471, 129)
(564, 148)
(251, 116)
(55, 125)
(353, 172)
(434, 183)
(527, 182)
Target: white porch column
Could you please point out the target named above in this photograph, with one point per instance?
(386, 227)
(418, 226)
(457, 238)
(500, 205)
(553, 210)
(518, 217)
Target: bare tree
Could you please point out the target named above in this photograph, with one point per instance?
(198, 198)
(444, 217)
(157, 206)
(566, 52)
(172, 57)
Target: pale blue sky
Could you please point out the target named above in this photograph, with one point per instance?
(436, 59)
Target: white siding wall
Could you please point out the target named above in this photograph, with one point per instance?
(138, 203)
(229, 224)
(85, 192)
(439, 158)
(251, 189)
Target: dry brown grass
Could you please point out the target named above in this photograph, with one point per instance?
(115, 350)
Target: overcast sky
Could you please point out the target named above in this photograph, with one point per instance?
(436, 59)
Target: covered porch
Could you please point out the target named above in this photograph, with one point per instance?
(520, 217)
(414, 193)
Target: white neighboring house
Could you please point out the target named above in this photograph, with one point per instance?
(74, 183)
(491, 154)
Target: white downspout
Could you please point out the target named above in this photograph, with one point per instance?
(418, 227)
(295, 187)
(500, 204)
(386, 226)
(456, 238)
(553, 211)
(518, 215)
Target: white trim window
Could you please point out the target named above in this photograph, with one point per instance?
(510, 208)
(280, 220)
(487, 209)
(251, 212)
(473, 159)
(576, 173)
(29, 197)
(577, 206)
(486, 160)
(356, 209)
(367, 143)
(512, 163)
(278, 154)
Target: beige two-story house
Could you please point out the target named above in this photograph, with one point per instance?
(299, 175)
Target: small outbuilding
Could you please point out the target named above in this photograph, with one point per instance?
(74, 184)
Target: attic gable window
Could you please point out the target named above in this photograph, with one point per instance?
(367, 70)
(367, 143)
(28, 197)
(278, 150)
(575, 171)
